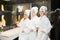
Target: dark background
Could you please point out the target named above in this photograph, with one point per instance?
(55, 4)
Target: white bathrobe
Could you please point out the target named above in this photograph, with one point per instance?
(44, 24)
(24, 25)
(34, 22)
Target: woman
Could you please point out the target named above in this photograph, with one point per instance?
(44, 24)
(34, 21)
(24, 26)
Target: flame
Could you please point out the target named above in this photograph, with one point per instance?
(2, 7)
(3, 20)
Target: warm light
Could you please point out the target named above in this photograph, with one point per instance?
(3, 21)
(18, 17)
(2, 7)
(20, 8)
(3, 18)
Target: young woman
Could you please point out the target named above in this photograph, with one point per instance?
(44, 24)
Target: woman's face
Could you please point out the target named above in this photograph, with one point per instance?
(25, 15)
(41, 13)
(33, 13)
